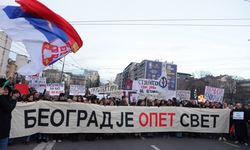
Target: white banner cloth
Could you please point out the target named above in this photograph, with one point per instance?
(63, 117)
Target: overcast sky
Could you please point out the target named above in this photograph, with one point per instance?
(110, 48)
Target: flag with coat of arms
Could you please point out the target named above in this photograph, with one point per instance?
(47, 36)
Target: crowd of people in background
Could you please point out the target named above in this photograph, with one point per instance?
(240, 126)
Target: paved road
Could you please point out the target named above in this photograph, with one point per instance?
(157, 143)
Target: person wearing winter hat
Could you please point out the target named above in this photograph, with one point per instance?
(6, 107)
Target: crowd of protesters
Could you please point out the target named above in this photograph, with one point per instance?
(240, 133)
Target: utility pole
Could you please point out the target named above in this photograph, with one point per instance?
(62, 69)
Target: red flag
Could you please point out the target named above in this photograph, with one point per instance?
(22, 88)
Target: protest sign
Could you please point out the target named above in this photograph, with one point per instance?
(29, 77)
(60, 117)
(54, 88)
(141, 96)
(170, 94)
(39, 83)
(22, 88)
(103, 89)
(214, 94)
(131, 95)
(117, 94)
(41, 88)
(238, 115)
(162, 95)
(77, 90)
(183, 94)
(152, 87)
(146, 86)
(152, 96)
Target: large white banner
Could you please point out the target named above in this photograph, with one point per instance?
(54, 88)
(63, 117)
(214, 94)
(183, 95)
(77, 90)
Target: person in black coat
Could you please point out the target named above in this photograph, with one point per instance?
(240, 125)
(6, 107)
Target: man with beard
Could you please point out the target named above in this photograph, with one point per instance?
(240, 124)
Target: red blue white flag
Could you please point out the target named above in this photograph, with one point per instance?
(46, 35)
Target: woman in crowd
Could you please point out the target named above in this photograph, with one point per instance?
(112, 103)
(80, 98)
(74, 99)
(162, 103)
(23, 98)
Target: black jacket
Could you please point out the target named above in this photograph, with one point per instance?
(6, 107)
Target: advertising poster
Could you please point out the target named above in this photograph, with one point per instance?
(153, 70)
(172, 76)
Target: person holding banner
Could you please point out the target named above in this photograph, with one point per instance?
(15, 95)
(47, 97)
(150, 134)
(6, 107)
(26, 139)
(62, 98)
(123, 102)
(140, 103)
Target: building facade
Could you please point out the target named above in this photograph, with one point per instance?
(11, 67)
(92, 78)
(21, 60)
(118, 80)
(5, 45)
(128, 73)
(147, 69)
(68, 78)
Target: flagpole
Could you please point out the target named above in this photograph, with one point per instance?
(62, 69)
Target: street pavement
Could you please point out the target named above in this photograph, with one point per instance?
(129, 143)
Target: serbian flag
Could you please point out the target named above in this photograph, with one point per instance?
(46, 35)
